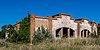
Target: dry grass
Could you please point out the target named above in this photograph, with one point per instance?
(63, 44)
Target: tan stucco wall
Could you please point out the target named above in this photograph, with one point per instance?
(41, 22)
(65, 21)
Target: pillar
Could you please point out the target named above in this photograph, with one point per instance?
(83, 33)
(78, 29)
(68, 32)
(32, 27)
(92, 29)
(80, 35)
(50, 23)
(62, 32)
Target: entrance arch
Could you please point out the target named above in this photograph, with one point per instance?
(85, 33)
(65, 32)
(72, 32)
(58, 32)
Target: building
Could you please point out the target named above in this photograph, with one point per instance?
(17, 26)
(62, 25)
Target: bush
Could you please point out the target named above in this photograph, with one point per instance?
(24, 31)
(13, 37)
(22, 35)
(41, 34)
(2, 35)
(93, 35)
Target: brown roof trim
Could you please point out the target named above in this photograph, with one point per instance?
(92, 23)
(81, 20)
(65, 14)
(60, 15)
(72, 19)
(77, 21)
(42, 17)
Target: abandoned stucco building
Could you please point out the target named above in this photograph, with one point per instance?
(62, 25)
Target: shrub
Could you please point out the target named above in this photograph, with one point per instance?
(22, 35)
(24, 31)
(40, 35)
(13, 37)
(93, 35)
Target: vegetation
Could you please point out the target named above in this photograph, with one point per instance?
(43, 39)
(41, 34)
(24, 33)
(3, 31)
(98, 30)
(21, 36)
(93, 35)
(2, 35)
(63, 44)
(6, 29)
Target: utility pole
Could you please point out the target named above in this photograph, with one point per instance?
(28, 12)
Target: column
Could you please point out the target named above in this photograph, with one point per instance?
(96, 31)
(50, 23)
(32, 27)
(83, 33)
(62, 32)
(59, 33)
(68, 32)
(80, 35)
(78, 30)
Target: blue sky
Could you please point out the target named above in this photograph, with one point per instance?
(12, 11)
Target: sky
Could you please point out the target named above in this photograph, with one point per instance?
(12, 11)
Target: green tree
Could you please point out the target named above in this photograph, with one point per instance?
(99, 29)
(10, 29)
(22, 35)
(3, 31)
(6, 29)
(13, 37)
(23, 32)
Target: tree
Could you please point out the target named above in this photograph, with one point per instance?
(13, 37)
(6, 29)
(23, 33)
(3, 31)
(98, 29)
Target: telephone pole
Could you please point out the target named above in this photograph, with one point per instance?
(28, 13)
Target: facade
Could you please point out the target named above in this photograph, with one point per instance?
(17, 26)
(63, 25)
